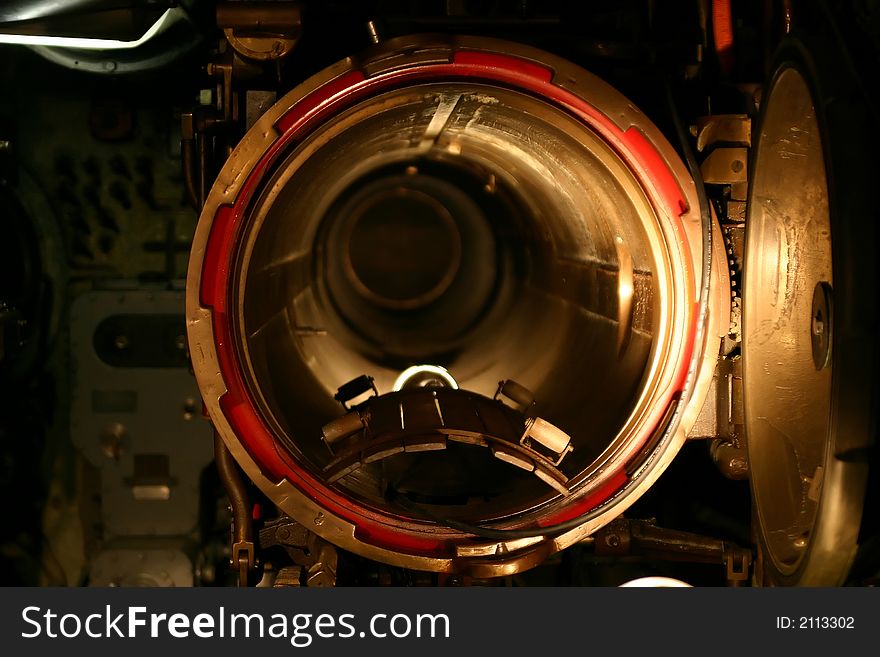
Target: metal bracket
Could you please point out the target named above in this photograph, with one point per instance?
(553, 439)
(522, 397)
(354, 389)
(738, 564)
(243, 560)
(422, 419)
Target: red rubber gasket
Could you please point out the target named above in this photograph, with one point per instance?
(335, 96)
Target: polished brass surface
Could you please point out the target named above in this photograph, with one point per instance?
(807, 495)
(262, 31)
(788, 251)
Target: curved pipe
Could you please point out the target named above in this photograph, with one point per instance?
(233, 484)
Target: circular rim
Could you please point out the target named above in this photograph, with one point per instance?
(849, 165)
(438, 287)
(665, 183)
(788, 255)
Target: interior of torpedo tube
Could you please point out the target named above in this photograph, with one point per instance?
(467, 227)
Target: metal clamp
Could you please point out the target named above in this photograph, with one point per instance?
(355, 388)
(334, 432)
(738, 564)
(554, 440)
(243, 558)
(522, 397)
